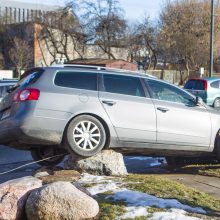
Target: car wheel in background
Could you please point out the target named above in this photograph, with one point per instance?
(85, 136)
(176, 161)
(216, 103)
(55, 155)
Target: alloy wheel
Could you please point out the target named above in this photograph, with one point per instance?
(86, 135)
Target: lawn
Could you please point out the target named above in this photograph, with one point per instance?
(144, 196)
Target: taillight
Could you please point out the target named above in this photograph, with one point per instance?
(26, 94)
(205, 85)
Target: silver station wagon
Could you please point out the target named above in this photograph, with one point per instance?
(84, 109)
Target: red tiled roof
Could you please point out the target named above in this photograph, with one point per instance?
(94, 61)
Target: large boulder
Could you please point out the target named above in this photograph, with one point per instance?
(13, 196)
(60, 200)
(107, 162)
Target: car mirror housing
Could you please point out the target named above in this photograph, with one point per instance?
(199, 101)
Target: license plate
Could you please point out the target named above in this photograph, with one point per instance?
(6, 114)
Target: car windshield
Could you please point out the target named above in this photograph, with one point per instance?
(195, 84)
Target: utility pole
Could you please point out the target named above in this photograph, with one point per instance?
(211, 39)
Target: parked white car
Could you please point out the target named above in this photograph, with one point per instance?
(4, 86)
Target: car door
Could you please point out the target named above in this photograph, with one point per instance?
(179, 120)
(130, 111)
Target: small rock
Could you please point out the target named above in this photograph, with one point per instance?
(60, 200)
(61, 175)
(107, 162)
(13, 196)
(43, 171)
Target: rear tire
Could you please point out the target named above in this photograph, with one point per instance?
(45, 152)
(85, 136)
(176, 161)
(216, 103)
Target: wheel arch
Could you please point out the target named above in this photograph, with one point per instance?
(107, 130)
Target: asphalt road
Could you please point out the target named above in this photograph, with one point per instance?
(9, 155)
(10, 159)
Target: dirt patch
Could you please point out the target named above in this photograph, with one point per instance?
(61, 175)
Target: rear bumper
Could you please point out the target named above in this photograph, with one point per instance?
(26, 132)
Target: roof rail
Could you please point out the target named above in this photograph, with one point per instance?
(92, 67)
(101, 68)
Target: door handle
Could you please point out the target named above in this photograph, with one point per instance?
(110, 103)
(162, 109)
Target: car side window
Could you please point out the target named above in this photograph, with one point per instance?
(215, 84)
(77, 80)
(166, 92)
(126, 85)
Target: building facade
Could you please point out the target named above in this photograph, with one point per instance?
(18, 11)
(26, 22)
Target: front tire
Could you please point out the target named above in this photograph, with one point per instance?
(218, 149)
(216, 103)
(85, 136)
(45, 152)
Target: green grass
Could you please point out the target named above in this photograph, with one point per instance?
(109, 209)
(153, 209)
(210, 172)
(159, 187)
(205, 170)
(165, 188)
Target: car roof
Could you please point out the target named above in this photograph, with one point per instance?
(8, 82)
(211, 78)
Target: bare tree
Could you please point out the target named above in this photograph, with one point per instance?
(104, 24)
(184, 32)
(20, 55)
(15, 40)
(62, 34)
(142, 43)
(2, 61)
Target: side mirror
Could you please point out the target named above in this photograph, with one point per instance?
(199, 101)
(11, 89)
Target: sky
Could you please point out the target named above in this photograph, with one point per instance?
(134, 9)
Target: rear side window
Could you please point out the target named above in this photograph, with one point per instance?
(215, 84)
(126, 85)
(81, 80)
(195, 84)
